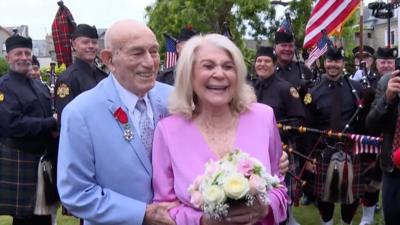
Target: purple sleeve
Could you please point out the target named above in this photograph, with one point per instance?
(278, 196)
(163, 181)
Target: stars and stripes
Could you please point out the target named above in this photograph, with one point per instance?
(329, 15)
(170, 55)
(366, 144)
(322, 46)
(285, 26)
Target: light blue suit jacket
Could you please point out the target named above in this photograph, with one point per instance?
(102, 177)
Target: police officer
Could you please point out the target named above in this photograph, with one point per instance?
(29, 132)
(83, 74)
(287, 106)
(332, 104)
(286, 68)
(363, 62)
(168, 75)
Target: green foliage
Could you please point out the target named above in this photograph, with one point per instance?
(3, 66)
(208, 16)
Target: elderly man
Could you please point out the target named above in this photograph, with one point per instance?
(104, 169)
(384, 118)
(28, 129)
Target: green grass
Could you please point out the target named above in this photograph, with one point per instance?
(305, 215)
(61, 220)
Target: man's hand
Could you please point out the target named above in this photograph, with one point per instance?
(283, 163)
(157, 213)
(393, 87)
(247, 215)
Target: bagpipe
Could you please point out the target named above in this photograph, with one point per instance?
(52, 85)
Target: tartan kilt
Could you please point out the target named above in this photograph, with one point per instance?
(294, 190)
(18, 179)
(323, 159)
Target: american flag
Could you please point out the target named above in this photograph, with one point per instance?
(366, 144)
(285, 26)
(327, 15)
(170, 55)
(319, 50)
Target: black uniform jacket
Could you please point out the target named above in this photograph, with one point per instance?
(167, 76)
(282, 97)
(78, 77)
(26, 116)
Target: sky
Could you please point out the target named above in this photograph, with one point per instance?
(39, 14)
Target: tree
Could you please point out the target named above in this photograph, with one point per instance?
(3, 66)
(209, 16)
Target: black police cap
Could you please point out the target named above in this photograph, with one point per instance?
(17, 41)
(386, 53)
(35, 61)
(266, 51)
(186, 33)
(366, 50)
(84, 30)
(334, 53)
(283, 37)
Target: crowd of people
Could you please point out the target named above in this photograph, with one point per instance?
(125, 145)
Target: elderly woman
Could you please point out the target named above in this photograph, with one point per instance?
(213, 113)
(288, 109)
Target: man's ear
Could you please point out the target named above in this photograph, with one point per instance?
(106, 56)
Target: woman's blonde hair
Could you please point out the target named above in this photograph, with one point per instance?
(183, 99)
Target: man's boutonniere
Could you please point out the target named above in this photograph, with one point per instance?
(122, 117)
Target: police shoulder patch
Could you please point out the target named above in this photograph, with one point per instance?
(1, 96)
(63, 91)
(294, 92)
(307, 99)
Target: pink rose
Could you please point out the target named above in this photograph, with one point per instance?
(196, 199)
(257, 184)
(245, 167)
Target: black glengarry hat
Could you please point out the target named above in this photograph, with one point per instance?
(386, 53)
(186, 33)
(368, 50)
(35, 61)
(266, 51)
(334, 53)
(84, 30)
(17, 41)
(283, 37)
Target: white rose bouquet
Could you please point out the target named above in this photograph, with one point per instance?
(236, 176)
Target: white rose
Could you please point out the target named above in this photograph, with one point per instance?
(236, 186)
(214, 194)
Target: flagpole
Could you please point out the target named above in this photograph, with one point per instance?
(361, 50)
